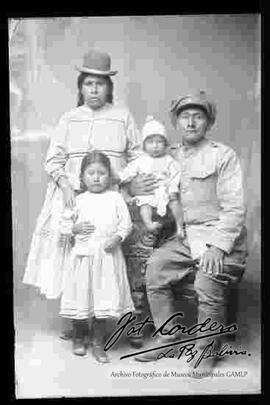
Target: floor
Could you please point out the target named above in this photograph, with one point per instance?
(46, 367)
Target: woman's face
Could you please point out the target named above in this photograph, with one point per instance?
(96, 177)
(94, 91)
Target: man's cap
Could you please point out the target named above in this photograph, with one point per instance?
(198, 99)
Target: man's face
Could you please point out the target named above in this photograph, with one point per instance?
(193, 124)
(94, 91)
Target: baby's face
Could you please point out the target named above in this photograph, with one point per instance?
(155, 145)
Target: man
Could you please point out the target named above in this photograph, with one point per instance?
(212, 257)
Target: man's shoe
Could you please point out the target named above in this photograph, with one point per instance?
(137, 343)
(150, 356)
(157, 354)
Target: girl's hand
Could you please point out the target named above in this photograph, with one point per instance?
(143, 185)
(83, 228)
(112, 243)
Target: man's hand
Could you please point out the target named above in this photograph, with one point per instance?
(143, 185)
(83, 228)
(112, 243)
(211, 261)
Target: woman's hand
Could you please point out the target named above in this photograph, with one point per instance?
(83, 228)
(69, 197)
(211, 261)
(112, 243)
(68, 193)
(143, 185)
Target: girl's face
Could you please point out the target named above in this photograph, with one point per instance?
(96, 177)
(155, 145)
(94, 91)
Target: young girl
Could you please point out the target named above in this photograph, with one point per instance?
(95, 283)
(157, 161)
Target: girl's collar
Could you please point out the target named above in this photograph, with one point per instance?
(103, 192)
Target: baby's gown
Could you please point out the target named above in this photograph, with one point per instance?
(166, 171)
(95, 282)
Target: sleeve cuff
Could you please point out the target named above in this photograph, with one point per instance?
(225, 246)
(123, 234)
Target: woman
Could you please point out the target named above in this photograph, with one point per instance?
(94, 124)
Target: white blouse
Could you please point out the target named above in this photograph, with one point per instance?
(110, 129)
(107, 211)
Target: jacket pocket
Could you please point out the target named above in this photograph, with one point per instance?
(203, 172)
(203, 183)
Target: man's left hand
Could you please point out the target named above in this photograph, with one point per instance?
(211, 261)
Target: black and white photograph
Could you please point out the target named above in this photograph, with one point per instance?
(136, 210)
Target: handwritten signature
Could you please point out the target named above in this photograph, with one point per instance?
(176, 349)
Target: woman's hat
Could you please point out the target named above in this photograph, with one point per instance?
(153, 127)
(97, 63)
(198, 99)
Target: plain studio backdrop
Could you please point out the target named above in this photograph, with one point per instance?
(157, 58)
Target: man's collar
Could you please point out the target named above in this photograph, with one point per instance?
(196, 146)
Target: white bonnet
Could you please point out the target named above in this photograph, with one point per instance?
(153, 127)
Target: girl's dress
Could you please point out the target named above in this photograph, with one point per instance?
(95, 282)
(165, 169)
(110, 129)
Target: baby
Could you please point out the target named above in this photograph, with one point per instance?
(156, 160)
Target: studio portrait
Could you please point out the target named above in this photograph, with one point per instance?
(136, 211)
